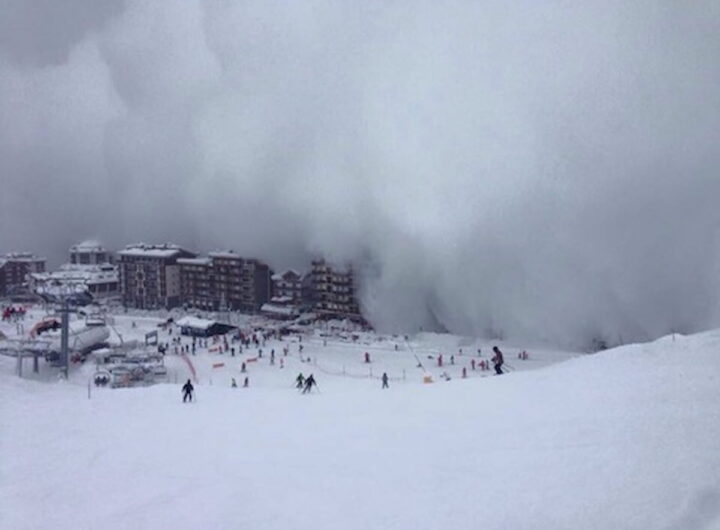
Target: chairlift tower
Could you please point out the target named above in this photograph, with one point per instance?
(65, 311)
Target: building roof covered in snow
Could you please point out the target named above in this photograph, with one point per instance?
(22, 256)
(226, 254)
(80, 272)
(141, 250)
(195, 322)
(275, 309)
(194, 261)
(89, 245)
(282, 275)
(281, 299)
(72, 277)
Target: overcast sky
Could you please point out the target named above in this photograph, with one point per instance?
(544, 169)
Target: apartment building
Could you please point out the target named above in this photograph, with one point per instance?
(150, 275)
(197, 283)
(15, 269)
(225, 281)
(90, 253)
(334, 291)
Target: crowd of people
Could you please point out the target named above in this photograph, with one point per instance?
(306, 385)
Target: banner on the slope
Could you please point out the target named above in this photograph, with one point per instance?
(190, 366)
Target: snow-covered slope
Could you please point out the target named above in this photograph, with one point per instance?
(627, 439)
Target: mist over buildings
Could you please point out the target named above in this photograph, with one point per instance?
(546, 170)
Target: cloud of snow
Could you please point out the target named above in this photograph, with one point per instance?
(534, 169)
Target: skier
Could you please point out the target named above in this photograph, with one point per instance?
(243, 368)
(187, 391)
(498, 360)
(246, 382)
(385, 380)
(300, 380)
(234, 383)
(309, 383)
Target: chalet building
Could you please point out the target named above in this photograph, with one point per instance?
(293, 286)
(90, 253)
(150, 275)
(15, 269)
(291, 294)
(225, 281)
(334, 291)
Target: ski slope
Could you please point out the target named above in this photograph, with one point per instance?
(628, 438)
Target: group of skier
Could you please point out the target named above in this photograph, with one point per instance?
(306, 384)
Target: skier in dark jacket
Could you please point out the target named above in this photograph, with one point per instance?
(187, 391)
(309, 383)
(300, 380)
(498, 360)
(385, 380)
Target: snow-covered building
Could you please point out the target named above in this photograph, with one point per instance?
(100, 281)
(281, 308)
(200, 327)
(225, 280)
(196, 283)
(293, 285)
(291, 293)
(90, 253)
(150, 275)
(334, 291)
(15, 269)
(90, 272)
(240, 283)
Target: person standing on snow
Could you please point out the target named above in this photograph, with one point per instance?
(300, 380)
(187, 391)
(385, 380)
(498, 360)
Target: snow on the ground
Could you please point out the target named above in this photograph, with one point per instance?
(627, 438)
